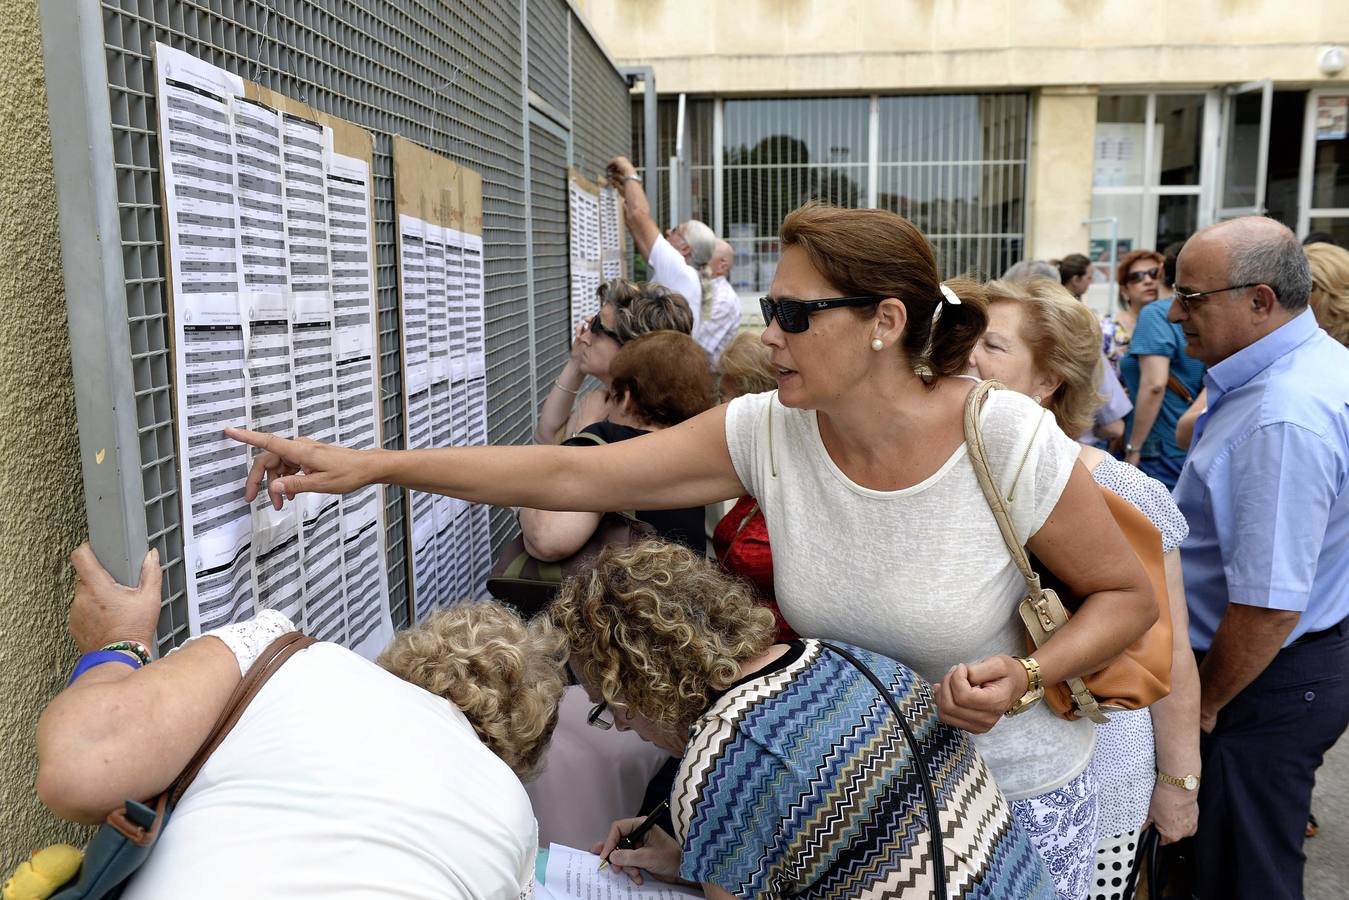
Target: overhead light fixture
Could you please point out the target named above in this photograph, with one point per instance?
(1332, 61)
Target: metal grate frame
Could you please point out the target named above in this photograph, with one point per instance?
(447, 76)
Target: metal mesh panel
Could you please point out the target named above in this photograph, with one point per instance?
(548, 204)
(601, 113)
(698, 148)
(956, 166)
(447, 76)
(548, 62)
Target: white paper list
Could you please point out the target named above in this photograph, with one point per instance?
(412, 278)
(262, 211)
(306, 207)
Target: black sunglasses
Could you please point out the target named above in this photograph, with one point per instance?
(597, 717)
(1188, 299)
(794, 315)
(597, 327)
(1135, 277)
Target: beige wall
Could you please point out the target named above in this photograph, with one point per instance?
(42, 510)
(1058, 184)
(776, 46)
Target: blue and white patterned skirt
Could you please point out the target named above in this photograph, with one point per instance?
(1062, 825)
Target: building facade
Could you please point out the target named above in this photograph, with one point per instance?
(1005, 131)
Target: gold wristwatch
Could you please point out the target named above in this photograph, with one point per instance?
(1036, 690)
(1186, 782)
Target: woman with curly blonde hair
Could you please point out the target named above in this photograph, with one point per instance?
(796, 779)
(342, 778)
(1330, 288)
(1043, 342)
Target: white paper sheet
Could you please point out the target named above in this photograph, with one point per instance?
(262, 212)
(255, 268)
(575, 875)
(583, 234)
(324, 577)
(349, 253)
(611, 236)
(412, 283)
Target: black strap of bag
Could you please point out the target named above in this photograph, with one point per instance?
(929, 793)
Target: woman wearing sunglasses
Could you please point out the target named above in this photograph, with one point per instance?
(1140, 278)
(881, 535)
(627, 309)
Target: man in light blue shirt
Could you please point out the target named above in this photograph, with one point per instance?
(1267, 560)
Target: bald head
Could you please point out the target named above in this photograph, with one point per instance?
(723, 255)
(1253, 250)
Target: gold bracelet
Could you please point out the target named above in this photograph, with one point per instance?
(559, 386)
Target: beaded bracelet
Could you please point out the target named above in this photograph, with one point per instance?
(98, 658)
(141, 651)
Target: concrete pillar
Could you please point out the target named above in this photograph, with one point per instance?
(1061, 160)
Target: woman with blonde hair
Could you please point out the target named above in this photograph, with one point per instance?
(628, 309)
(795, 780)
(858, 462)
(1330, 288)
(1044, 343)
(343, 777)
(745, 367)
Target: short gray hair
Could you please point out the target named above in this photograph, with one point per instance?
(1030, 269)
(1274, 257)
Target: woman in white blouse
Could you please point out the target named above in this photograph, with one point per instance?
(1042, 342)
(343, 778)
(880, 533)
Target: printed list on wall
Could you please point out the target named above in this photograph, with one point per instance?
(267, 208)
(595, 240)
(440, 278)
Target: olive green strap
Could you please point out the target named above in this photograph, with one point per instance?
(517, 565)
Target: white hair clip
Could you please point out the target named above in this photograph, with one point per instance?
(949, 295)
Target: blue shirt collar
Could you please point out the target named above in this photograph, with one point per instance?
(1248, 362)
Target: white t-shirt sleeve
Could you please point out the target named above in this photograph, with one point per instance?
(1030, 457)
(747, 438)
(669, 268)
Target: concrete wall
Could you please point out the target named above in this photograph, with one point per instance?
(42, 510)
(777, 46)
(1058, 184)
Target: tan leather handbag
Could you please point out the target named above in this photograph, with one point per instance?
(1136, 679)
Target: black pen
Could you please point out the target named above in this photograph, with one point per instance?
(629, 840)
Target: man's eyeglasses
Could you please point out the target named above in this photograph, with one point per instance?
(599, 716)
(794, 315)
(1135, 277)
(597, 327)
(1188, 299)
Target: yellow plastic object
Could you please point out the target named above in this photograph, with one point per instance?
(40, 877)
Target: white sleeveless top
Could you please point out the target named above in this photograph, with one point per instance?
(341, 780)
(921, 574)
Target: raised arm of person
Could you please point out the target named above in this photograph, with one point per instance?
(119, 733)
(636, 208)
(686, 465)
(1080, 543)
(557, 406)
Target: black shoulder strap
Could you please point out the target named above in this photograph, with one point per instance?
(929, 794)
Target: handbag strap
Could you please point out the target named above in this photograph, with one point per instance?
(753, 510)
(974, 445)
(277, 652)
(1050, 617)
(934, 829)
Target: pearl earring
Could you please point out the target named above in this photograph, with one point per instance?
(1036, 398)
(877, 344)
